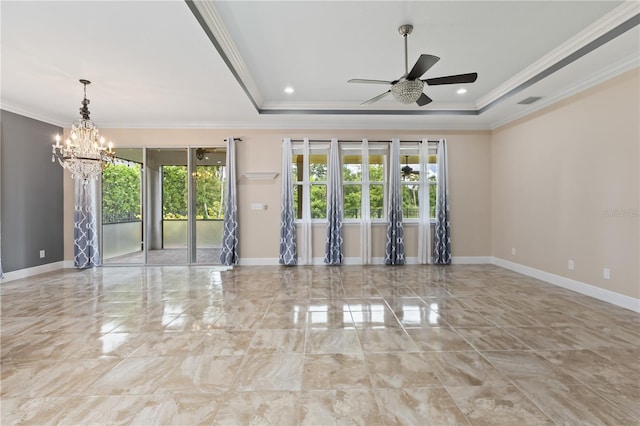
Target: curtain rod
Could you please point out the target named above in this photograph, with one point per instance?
(359, 140)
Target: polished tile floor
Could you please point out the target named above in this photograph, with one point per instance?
(412, 345)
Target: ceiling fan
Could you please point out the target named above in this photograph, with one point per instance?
(407, 170)
(408, 88)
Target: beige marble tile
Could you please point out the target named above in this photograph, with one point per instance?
(269, 341)
(591, 338)
(438, 339)
(335, 371)
(274, 371)
(511, 318)
(497, 405)
(178, 408)
(157, 344)
(192, 345)
(360, 290)
(85, 410)
(628, 358)
(332, 341)
(591, 368)
(330, 319)
(462, 318)
(223, 342)
(133, 376)
(386, 340)
(239, 320)
(490, 338)
(419, 406)
(624, 396)
(573, 404)
(401, 370)
(285, 320)
(542, 338)
(202, 374)
(338, 407)
(525, 365)
(625, 331)
(258, 408)
(46, 346)
(52, 377)
(464, 369)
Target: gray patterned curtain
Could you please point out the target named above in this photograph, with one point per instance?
(333, 251)
(442, 239)
(288, 247)
(86, 253)
(229, 250)
(394, 250)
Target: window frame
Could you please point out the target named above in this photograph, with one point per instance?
(300, 148)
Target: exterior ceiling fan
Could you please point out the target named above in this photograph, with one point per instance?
(408, 88)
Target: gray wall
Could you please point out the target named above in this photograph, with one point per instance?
(31, 191)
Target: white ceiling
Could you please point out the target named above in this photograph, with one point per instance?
(152, 63)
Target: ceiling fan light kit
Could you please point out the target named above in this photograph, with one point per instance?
(407, 91)
(409, 88)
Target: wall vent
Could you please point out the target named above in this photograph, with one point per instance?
(529, 100)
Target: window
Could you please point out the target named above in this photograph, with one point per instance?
(412, 178)
(352, 183)
(318, 183)
(410, 170)
(377, 173)
(309, 177)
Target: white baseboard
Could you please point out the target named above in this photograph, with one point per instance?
(36, 270)
(319, 261)
(471, 260)
(258, 261)
(577, 286)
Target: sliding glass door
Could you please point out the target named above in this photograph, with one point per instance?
(122, 224)
(182, 197)
(207, 204)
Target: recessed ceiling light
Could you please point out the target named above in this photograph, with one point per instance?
(461, 91)
(289, 90)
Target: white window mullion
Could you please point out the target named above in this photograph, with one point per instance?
(307, 253)
(365, 227)
(424, 222)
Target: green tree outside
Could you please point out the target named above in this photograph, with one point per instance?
(121, 193)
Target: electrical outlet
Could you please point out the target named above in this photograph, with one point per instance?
(42, 254)
(571, 265)
(606, 274)
(513, 251)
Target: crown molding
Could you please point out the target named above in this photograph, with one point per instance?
(211, 22)
(32, 114)
(601, 28)
(627, 64)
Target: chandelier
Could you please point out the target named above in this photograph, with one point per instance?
(407, 91)
(84, 153)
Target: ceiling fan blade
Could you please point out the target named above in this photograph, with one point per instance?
(423, 100)
(422, 65)
(377, 98)
(362, 80)
(453, 79)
